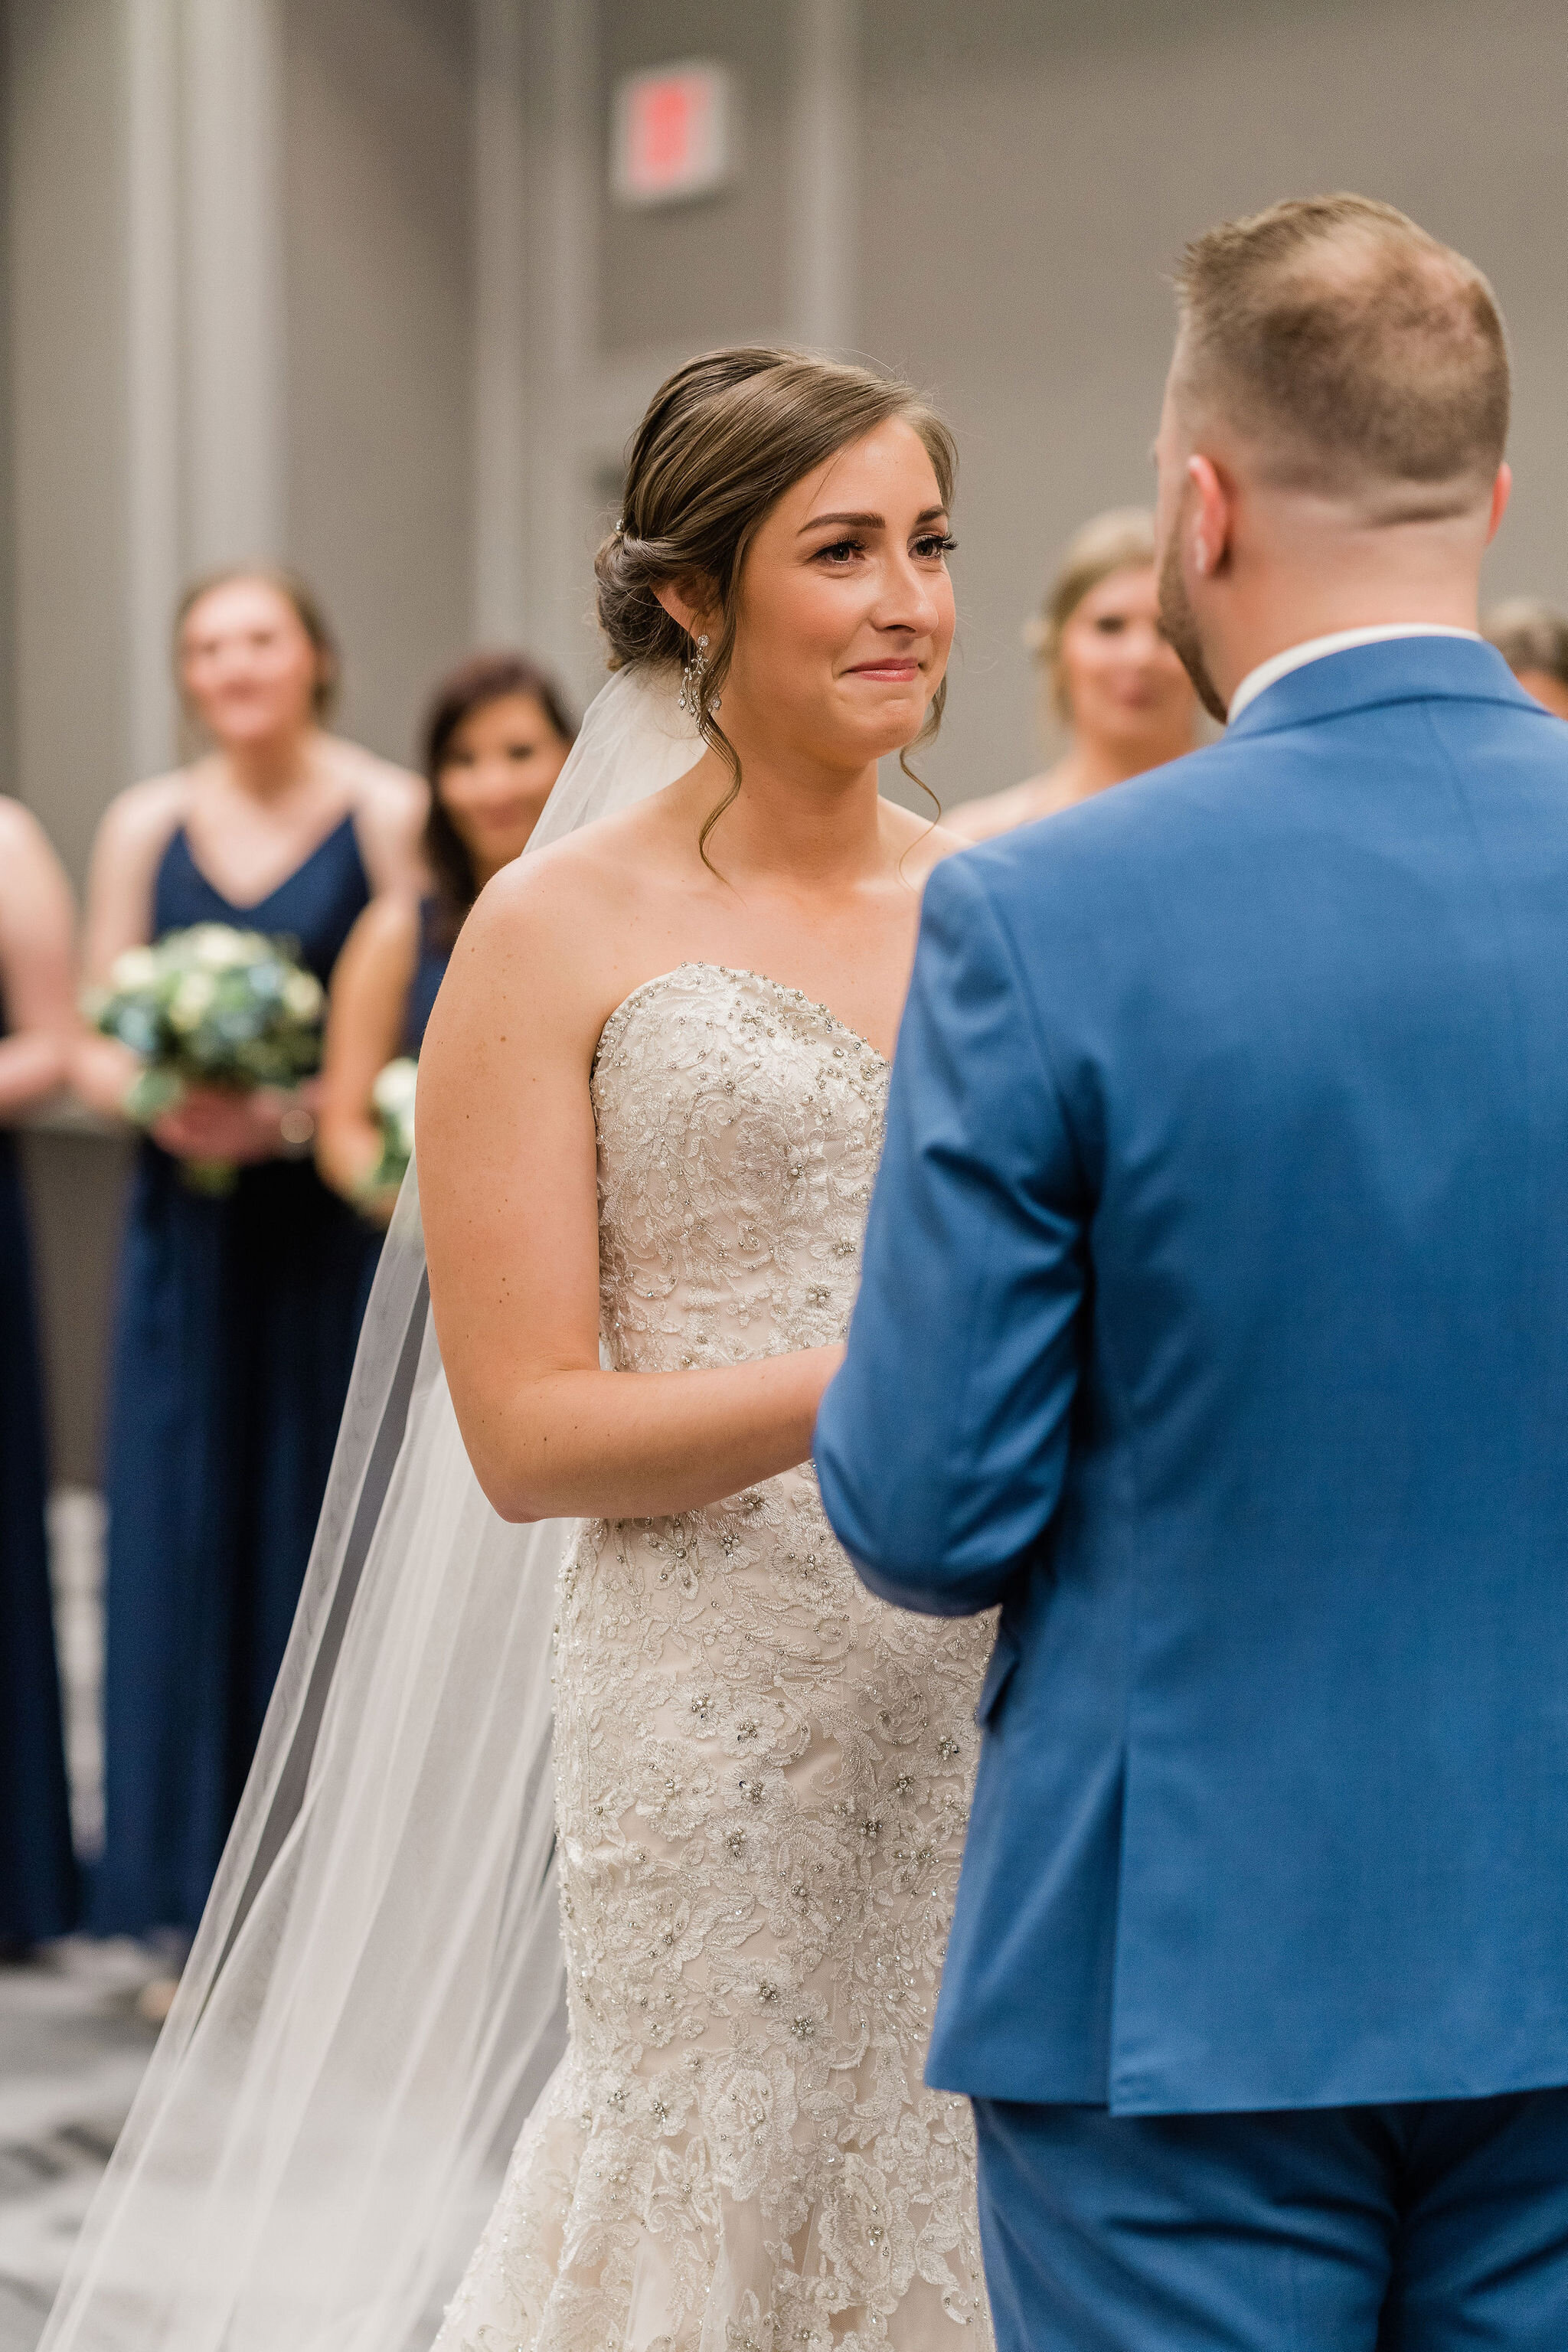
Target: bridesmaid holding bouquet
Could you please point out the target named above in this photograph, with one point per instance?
(237, 1311)
(37, 1875)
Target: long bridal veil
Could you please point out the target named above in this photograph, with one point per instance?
(376, 1996)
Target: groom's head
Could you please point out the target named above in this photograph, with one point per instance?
(1330, 452)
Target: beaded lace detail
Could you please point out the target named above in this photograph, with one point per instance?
(762, 1779)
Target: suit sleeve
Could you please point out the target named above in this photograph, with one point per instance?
(941, 1443)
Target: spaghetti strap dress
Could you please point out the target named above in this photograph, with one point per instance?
(37, 1873)
(237, 1324)
(429, 971)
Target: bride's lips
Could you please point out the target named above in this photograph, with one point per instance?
(897, 672)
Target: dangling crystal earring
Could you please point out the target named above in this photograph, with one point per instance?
(691, 677)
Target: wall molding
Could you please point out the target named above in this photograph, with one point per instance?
(152, 408)
(823, 135)
(502, 599)
(235, 310)
(560, 455)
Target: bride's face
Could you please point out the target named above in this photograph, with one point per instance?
(844, 612)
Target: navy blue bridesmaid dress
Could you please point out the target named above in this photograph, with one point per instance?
(37, 1874)
(429, 971)
(238, 1319)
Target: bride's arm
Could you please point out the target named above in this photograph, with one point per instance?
(508, 1193)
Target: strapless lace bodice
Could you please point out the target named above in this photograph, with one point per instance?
(762, 1777)
(736, 1161)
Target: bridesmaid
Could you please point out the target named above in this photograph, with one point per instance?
(1111, 678)
(37, 1875)
(1533, 638)
(236, 1318)
(496, 738)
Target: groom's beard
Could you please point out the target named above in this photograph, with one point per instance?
(1180, 630)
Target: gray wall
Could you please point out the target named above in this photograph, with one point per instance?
(1033, 168)
(985, 193)
(693, 273)
(65, 280)
(375, 378)
(378, 269)
(62, 512)
(370, 118)
(1019, 176)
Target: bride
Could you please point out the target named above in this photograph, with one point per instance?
(650, 1112)
(650, 1109)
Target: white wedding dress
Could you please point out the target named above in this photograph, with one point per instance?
(747, 1842)
(762, 1777)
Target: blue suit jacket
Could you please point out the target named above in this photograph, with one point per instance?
(1214, 1320)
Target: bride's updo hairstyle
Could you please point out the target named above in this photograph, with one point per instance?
(725, 437)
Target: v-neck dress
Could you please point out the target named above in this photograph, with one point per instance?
(37, 1874)
(237, 1324)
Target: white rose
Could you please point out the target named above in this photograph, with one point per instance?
(302, 997)
(191, 1000)
(136, 969)
(394, 1091)
(216, 948)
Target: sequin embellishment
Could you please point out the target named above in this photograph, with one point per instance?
(763, 1778)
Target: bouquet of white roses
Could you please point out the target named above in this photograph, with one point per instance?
(211, 1006)
(392, 1099)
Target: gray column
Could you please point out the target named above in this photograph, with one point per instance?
(151, 31)
(566, 317)
(500, 326)
(235, 307)
(65, 228)
(823, 133)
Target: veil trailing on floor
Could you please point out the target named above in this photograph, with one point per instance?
(376, 1996)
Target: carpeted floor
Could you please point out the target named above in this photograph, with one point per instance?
(72, 2045)
(72, 2049)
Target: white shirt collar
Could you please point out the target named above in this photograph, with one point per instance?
(1279, 666)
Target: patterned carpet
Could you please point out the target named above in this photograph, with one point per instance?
(72, 2046)
(72, 2053)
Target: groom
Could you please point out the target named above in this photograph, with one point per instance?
(1215, 1322)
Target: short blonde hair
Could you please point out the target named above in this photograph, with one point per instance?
(1351, 346)
(1121, 539)
(1530, 636)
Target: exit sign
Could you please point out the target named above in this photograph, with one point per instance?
(674, 133)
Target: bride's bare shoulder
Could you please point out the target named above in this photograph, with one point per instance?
(918, 843)
(548, 935)
(594, 870)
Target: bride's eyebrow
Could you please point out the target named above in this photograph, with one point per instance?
(867, 522)
(857, 521)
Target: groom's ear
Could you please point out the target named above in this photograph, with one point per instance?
(1209, 517)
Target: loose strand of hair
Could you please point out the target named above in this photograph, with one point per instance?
(727, 751)
(927, 734)
(707, 697)
(919, 783)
